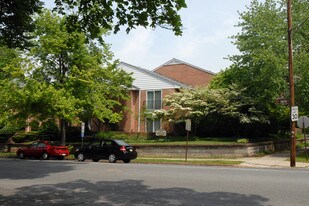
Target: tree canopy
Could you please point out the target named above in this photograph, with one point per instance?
(90, 17)
(16, 21)
(200, 104)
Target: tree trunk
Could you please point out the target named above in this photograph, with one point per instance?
(63, 132)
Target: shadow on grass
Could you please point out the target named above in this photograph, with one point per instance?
(126, 192)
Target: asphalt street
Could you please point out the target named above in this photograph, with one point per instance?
(53, 182)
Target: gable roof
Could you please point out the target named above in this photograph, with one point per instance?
(175, 61)
(148, 80)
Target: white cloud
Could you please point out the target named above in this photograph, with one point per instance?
(205, 41)
(137, 45)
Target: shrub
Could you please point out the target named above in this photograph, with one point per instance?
(120, 135)
(3, 138)
(26, 136)
(243, 141)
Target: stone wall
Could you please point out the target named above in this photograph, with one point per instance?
(206, 151)
(195, 151)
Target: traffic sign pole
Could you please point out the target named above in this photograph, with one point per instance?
(188, 128)
(82, 133)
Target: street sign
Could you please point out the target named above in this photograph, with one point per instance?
(303, 122)
(294, 114)
(188, 124)
(82, 130)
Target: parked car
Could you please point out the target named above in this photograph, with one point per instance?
(44, 150)
(109, 149)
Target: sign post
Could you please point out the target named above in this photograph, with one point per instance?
(188, 128)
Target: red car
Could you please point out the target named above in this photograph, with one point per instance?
(44, 150)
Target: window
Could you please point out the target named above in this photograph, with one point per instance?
(95, 144)
(153, 125)
(41, 144)
(34, 144)
(154, 100)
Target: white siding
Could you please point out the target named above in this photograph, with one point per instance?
(146, 80)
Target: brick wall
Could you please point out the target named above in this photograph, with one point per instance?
(186, 74)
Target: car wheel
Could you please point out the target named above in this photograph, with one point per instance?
(112, 158)
(45, 156)
(95, 160)
(60, 158)
(80, 157)
(21, 155)
(126, 161)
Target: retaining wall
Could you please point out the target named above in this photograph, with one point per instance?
(200, 151)
(195, 151)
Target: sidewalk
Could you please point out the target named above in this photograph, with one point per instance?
(277, 160)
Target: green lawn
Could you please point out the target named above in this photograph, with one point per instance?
(7, 154)
(212, 162)
(302, 157)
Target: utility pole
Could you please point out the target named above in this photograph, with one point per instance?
(291, 77)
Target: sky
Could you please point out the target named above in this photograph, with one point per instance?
(205, 42)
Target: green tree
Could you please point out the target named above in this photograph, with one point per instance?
(11, 80)
(261, 67)
(77, 79)
(198, 104)
(23, 98)
(64, 76)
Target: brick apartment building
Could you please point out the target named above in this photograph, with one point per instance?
(149, 89)
(185, 73)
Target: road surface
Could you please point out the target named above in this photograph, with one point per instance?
(53, 182)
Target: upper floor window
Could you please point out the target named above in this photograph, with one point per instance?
(154, 100)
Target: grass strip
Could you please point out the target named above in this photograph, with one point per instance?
(302, 157)
(7, 154)
(189, 161)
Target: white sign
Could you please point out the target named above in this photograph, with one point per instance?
(82, 130)
(161, 133)
(188, 124)
(303, 122)
(294, 113)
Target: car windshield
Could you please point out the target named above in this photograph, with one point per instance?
(121, 143)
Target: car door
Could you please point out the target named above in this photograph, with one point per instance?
(94, 151)
(106, 148)
(32, 150)
(41, 147)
